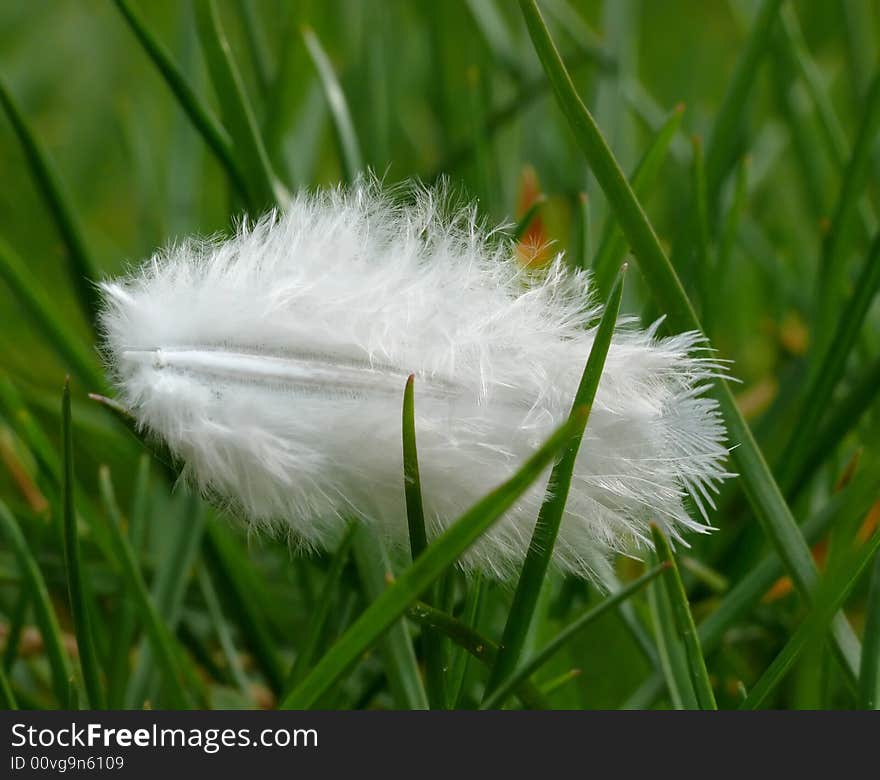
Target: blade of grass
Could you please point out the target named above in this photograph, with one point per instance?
(7, 697)
(224, 636)
(704, 574)
(684, 623)
(760, 487)
(843, 508)
(418, 542)
(242, 589)
(670, 650)
(264, 187)
(346, 137)
(460, 661)
(869, 675)
(832, 277)
(829, 600)
(823, 382)
(496, 119)
(723, 141)
(619, 22)
(835, 137)
(540, 550)
(79, 608)
(283, 97)
(170, 581)
(127, 622)
(699, 198)
(490, 24)
(474, 644)
(635, 626)
(242, 592)
(485, 162)
(842, 418)
(44, 614)
(733, 218)
(861, 46)
(214, 135)
(551, 686)
(380, 64)
(257, 45)
(431, 564)
(412, 486)
(527, 669)
(16, 624)
(804, 141)
(82, 268)
(582, 36)
(395, 645)
(645, 107)
(306, 655)
(73, 697)
(581, 253)
(33, 299)
(181, 680)
(836, 143)
(612, 247)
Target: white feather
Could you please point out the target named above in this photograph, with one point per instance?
(273, 364)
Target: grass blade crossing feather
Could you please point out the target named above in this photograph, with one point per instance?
(540, 550)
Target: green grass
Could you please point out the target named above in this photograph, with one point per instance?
(435, 677)
(80, 607)
(681, 627)
(538, 557)
(127, 128)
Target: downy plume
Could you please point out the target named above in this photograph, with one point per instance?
(273, 365)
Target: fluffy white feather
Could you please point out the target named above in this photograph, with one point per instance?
(273, 364)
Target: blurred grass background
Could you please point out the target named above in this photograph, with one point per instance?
(441, 88)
